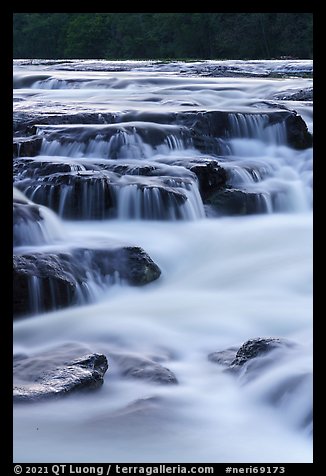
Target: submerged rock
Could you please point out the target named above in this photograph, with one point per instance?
(57, 372)
(34, 224)
(139, 367)
(140, 407)
(234, 358)
(45, 281)
(305, 94)
(256, 348)
(223, 357)
(25, 216)
(267, 367)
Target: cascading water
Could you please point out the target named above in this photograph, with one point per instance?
(257, 126)
(212, 178)
(183, 201)
(34, 225)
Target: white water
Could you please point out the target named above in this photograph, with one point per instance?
(224, 281)
(48, 229)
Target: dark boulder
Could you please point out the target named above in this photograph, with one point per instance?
(236, 202)
(211, 177)
(297, 132)
(209, 173)
(54, 280)
(57, 372)
(139, 367)
(45, 281)
(132, 263)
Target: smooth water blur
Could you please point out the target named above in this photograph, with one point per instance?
(224, 281)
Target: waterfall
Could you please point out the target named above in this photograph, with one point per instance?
(257, 126)
(157, 203)
(115, 141)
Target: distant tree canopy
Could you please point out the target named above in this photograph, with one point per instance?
(162, 35)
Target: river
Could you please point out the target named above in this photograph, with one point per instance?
(227, 275)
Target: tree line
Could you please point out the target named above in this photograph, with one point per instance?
(162, 35)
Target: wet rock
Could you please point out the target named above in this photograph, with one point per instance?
(206, 130)
(117, 139)
(23, 122)
(141, 407)
(97, 194)
(223, 357)
(256, 348)
(27, 146)
(27, 81)
(139, 367)
(253, 359)
(234, 358)
(236, 202)
(297, 132)
(57, 372)
(305, 94)
(132, 263)
(43, 282)
(25, 212)
(33, 168)
(267, 366)
(72, 195)
(54, 280)
(147, 413)
(33, 224)
(211, 177)
(26, 220)
(211, 128)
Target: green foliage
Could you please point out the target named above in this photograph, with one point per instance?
(163, 35)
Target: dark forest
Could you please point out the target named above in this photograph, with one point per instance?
(163, 35)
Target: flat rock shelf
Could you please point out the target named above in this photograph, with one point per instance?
(162, 224)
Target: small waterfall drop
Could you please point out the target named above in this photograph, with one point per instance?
(257, 126)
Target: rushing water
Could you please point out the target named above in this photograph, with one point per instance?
(225, 279)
